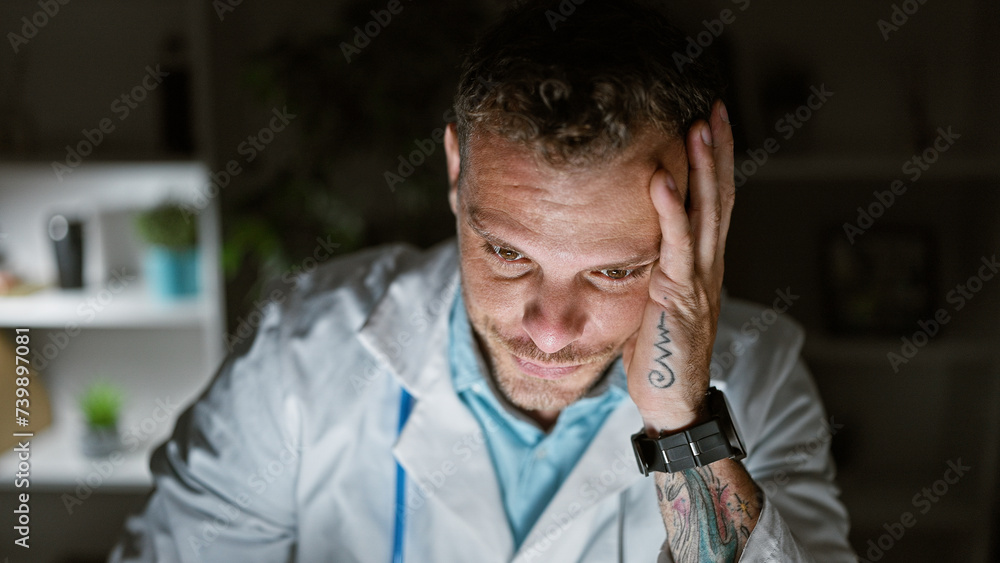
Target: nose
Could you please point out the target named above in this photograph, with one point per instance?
(553, 317)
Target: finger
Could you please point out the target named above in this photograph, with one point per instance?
(722, 133)
(706, 213)
(676, 247)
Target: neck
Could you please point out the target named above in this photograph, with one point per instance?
(545, 419)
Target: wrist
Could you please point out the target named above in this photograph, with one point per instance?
(676, 420)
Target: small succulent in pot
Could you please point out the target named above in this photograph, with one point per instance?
(171, 263)
(101, 404)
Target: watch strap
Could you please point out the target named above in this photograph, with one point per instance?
(697, 446)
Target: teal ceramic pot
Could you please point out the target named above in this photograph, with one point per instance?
(171, 273)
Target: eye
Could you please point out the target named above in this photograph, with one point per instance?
(617, 273)
(507, 254)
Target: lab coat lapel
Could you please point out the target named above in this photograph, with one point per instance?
(606, 468)
(444, 452)
(452, 484)
(410, 321)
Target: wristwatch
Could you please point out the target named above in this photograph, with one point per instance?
(699, 445)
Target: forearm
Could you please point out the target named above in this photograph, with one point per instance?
(708, 511)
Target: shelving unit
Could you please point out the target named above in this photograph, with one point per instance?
(160, 352)
(64, 82)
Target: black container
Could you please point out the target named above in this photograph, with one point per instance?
(67, 237)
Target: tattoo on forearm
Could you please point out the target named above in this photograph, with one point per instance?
(702, 532)
(743, 506)
(662, 376)
(707, 520)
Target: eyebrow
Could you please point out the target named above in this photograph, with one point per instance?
(636, 260)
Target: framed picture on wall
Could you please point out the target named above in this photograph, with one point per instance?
(881, 283)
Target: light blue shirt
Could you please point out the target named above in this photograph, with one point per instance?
(530, 464)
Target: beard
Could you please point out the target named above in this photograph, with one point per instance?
(531, 393)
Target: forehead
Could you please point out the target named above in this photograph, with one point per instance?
(511, 192)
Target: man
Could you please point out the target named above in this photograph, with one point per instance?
(592, 183)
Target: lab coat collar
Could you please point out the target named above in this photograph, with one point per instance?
(409, 322)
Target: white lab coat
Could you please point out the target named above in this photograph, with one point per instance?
(290, 453)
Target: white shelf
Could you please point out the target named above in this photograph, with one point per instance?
(58, 463)
(134, 307)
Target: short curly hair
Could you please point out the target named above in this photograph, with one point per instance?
(578, 88)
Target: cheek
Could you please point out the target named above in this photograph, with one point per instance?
(485, 295)
(618, 316)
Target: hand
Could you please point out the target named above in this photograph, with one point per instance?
(668, 359)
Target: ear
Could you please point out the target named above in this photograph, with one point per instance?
(454, 164)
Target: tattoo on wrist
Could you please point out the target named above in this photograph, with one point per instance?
(662, 376)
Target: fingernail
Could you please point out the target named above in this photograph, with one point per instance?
(723, 112)
(706, 134)
(671, 184)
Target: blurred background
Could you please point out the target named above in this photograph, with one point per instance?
(161, 160)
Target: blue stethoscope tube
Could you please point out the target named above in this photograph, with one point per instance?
(405, 405)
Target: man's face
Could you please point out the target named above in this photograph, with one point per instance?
(555, 263)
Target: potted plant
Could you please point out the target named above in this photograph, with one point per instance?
(101, 405)
(171, 262)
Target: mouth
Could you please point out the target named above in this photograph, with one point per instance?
(545, 371)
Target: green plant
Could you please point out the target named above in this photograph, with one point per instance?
(168, 225)
(357, 117)
(101, 404)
